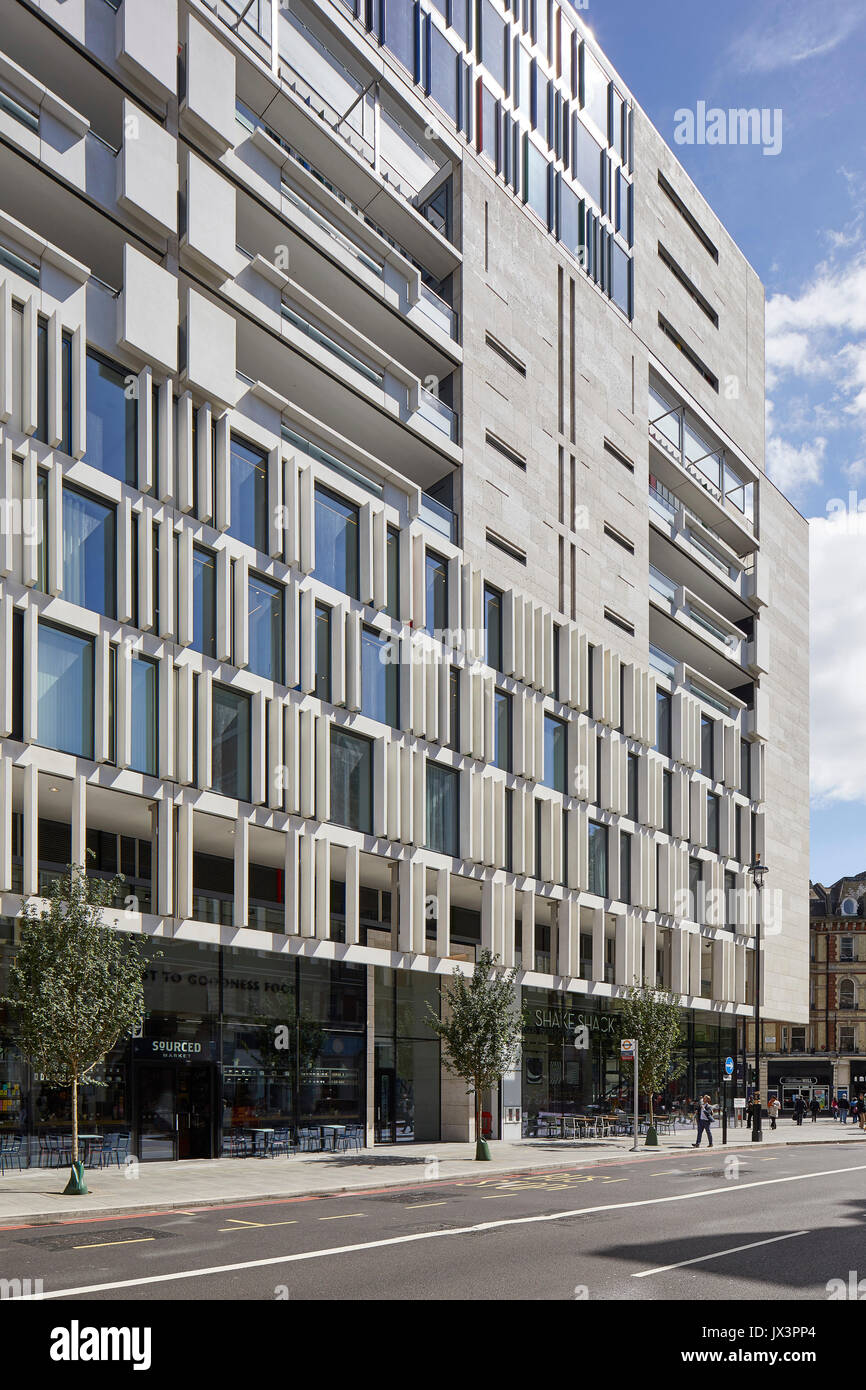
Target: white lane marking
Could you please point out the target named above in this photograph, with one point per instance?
(717, 1255)
(436, 1235)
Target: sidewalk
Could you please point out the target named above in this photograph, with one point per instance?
(34, 1196)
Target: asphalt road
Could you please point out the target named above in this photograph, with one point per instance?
(694, 1226)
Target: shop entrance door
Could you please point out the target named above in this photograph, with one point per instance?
(175, 1111)
(386, 1085)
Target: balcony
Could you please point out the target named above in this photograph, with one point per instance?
(438, 517)
(702, 474)
(438, 414)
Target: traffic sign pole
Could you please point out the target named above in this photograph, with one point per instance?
(729, 1071)
(634, 1145)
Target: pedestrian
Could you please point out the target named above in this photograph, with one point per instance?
(773, 1108)
(834, 1106)
(815, 1107)
(844, 1105)
(705, 1122)
(853, 1108)
(799, 1108)
(861, 1110)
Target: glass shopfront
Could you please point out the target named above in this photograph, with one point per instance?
(559, 1080)
(407, 1094)
(231, 1040)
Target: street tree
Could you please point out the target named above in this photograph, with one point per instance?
(654, 1018)
(480, 1030)
(75, 987)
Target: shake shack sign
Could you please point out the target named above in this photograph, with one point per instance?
(566, 1020)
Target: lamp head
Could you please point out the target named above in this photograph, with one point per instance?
(758, 871)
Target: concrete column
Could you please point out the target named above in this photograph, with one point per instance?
(164, 856)
(185, 842)
(353, 883)
(527, 927)
(79, 819)
(443, 912)
(5, 825)
(291, 882)
(241, 908)
(323, 888)
(30, 829)
(597, 943)
(306, 888)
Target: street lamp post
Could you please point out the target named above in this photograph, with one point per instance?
(758, 872)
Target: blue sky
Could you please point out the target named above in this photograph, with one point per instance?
(800, 218)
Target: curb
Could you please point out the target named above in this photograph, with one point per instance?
(58, 1218)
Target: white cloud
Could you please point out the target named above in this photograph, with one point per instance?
(792, 467)
(795, 33)
(838, 659)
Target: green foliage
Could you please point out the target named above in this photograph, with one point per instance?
(75, 985)
(654, 1017)
(482, 1028)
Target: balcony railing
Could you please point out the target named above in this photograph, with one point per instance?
(434, 308)
(696, 457)
(438, 414)
(330, 231)
(438, 517)
(343, 354)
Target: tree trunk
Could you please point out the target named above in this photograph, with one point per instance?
(75, 1119)
(651, 1109)
(477, 1114)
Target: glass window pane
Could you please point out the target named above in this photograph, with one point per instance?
(112, 420)
(436, 570)
(231, 743)
(444, 74)
(586, 161)
(535, 190)
(708, 727)
(502, 730)
(663, 723)
(379, 678)
(65, 691)
(249, 495)
(493, 626)
(323, 652)
(392, 556)
(399, 35)
(144, 714)
(554, 753)
(203, 602)
(336, 542)
(16, 420)
(598, 859)
(442, 809)
(42, 380)
(89, 552)
(351, 781)
(265, 629)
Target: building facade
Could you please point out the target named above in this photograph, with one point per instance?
(388, 567)
(826, 1056)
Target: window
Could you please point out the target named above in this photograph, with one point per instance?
(203, 601)
(399, 34)
(696, 889)
(624, 867)
(444, 74)
(846, 1039)
(144, 715)
(64, 691)
(633, 774)
(89, 552)
(336, 542)
(42, 379)
(590, 703)
(265, 628)
(555, 733)
(249, 494)
(745, 767)
(231, 743)
(490, 41)
(598, 859)
(712, 822)
(443, 809)
(847, 995)
(502, 730)
(380, 679)
(66, 392)
(493, 627)
(436, 576)
(112, 420)
(323, 652)
(667, 801)
(454, 708)
(41, 530)
(586, 955)
(351, 781)
(392, 562)
(536, 181)
(730, 900)
(708, 751)
(846, 948)
(738, 833)
(509, 833)
(663, 723)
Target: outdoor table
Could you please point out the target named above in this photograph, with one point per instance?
(86, 1140)
(335, 1129)
(265, 1141)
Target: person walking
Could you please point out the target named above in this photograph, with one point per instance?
(861, 1110)
(853, 1109)
(834, 1106)
(799, 1109)
(815, 1107)
(705, 1122)
(773, 1108)
(844, 1106)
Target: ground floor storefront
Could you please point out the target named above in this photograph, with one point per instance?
(236, 1044)
(559, 1079)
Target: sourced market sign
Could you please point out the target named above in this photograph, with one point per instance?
(172, 1050)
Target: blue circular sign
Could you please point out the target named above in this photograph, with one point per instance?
(729, 1066)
